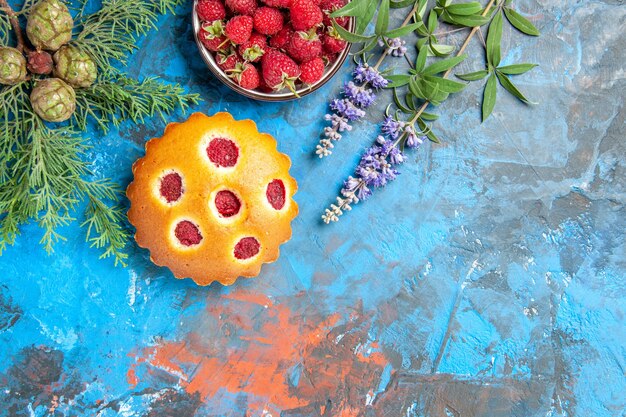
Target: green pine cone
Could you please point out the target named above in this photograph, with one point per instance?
(12, 66)
(53, 100)
(49, 25)
(74, 67)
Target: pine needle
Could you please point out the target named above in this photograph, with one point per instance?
(5, 30)
(44, 176)
(122, 98)
(104, 225)
(110, 34)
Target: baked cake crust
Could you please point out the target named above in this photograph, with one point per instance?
(200, 150)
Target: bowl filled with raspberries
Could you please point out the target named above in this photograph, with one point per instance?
(271, 50)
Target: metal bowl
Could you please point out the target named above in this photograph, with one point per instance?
(286, 95)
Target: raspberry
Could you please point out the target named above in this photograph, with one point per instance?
(305, 14)
(215, 44)
(279, 71)
(278, 3)
(223, 152)
(304, 46)
(239, 28)
(275, 194)
(282, 38)
(247, 75)
(333, 43)
(187, 233)
(242, 6)
(328, 58)
(247, 248)
(263, 86)
(329, 6)
(212, 36)
(227, 60)
(171, 187)
(227, 203)
(268, 20)
(253, 49)
(312, 71)
(210, 10)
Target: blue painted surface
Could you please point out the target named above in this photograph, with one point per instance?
(488, 280)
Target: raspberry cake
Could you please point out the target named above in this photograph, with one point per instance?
(212, 199)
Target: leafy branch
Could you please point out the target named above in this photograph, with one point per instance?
(493, 54)
(44, 176)
(426, 83)
(122, 98)
(111, 33)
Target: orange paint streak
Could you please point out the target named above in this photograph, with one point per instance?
(248, 343)
(131, 377)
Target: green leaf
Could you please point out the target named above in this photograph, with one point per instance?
(429, 133)
(401, 106)
(468, 21)
(382, 21)
(443, 65)
(432, 22)
(441, 50)
(473, 76)
(493, 40)
(402, 31)
(421, 8)
(511, 88)
(516, 69)
(415, 87)
(349, 36)
(398, 80)
(420, 62)
(489, 96)
(445, 84)
(421, 28)
(432, 137)
(354, 8)
(433, 92)
(465, 9)
(429, 116)
(364, 20)
(520, 22)
(368, 46)
(400, 4)
(409, 99)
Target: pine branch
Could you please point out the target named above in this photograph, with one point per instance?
(122, 98)
(48, 178)
(104, 223)
(5, 30)
(43, 173)
(15, 122)
(110, 34)
(15, 24)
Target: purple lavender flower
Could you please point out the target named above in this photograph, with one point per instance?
(358, 94)
(346, 108)
(395, 46)
(357, 98)
(392, 128)
(396, 157)
(355, 186)
(412, 139)
(376, 167)
(338, 123)
(364, 73)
